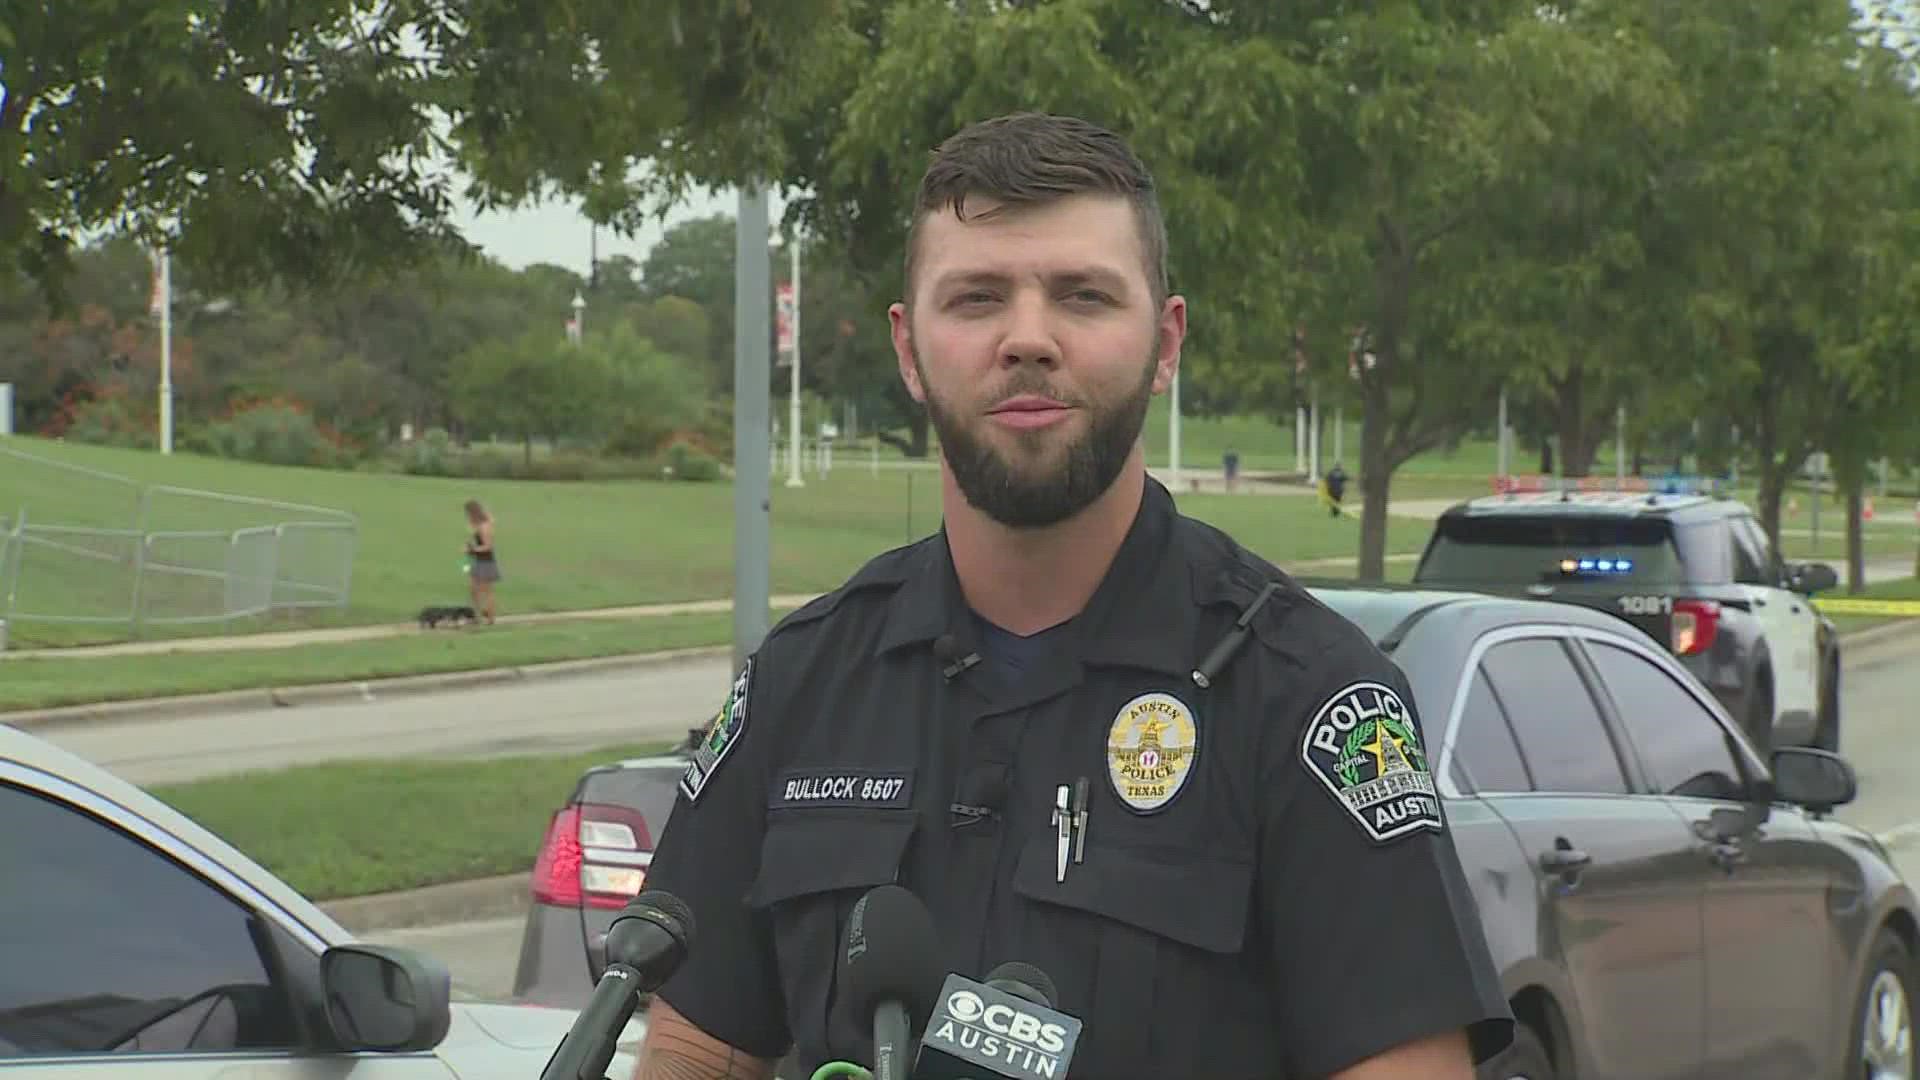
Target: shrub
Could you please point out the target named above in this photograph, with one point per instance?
(429, 455)
(110, 419)
(275, 431)
(685, 461)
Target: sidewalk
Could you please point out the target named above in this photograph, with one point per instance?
(281, 639)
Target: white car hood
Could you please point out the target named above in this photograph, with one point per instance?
(514, 1042)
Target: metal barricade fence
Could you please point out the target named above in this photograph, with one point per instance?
(300, 558)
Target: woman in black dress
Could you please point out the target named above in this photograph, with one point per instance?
(482, 569)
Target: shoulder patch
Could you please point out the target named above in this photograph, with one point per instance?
(722, 735)
(1363, 744)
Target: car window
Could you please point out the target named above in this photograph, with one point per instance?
(1529, 549)
(1753, 555)
(1559, 728)
(1684, 749)
(110, 947)
(1707, 549)
(1486, 760)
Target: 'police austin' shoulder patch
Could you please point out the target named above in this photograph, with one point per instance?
(722, 735)
(1364, 746)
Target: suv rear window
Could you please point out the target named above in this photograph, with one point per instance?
(1528, 550)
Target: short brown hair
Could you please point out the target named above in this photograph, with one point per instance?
(1031, 158)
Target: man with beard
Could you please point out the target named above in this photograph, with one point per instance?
(1090, 733)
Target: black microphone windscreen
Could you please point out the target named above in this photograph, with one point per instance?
(672, 907)
(946, 649)
(891, 954)
(1013, 971)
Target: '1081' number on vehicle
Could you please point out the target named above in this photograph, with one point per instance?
(1647, 605)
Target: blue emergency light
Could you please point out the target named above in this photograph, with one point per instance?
(1596, 566)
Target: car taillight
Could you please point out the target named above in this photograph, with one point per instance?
(1695, 624)
(594, 855)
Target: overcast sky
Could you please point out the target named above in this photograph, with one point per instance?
(555, 231)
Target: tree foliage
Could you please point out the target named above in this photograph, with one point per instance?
(1697, 214)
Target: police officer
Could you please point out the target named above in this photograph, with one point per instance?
(1258, 880)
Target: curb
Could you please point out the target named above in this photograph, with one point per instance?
(327, 693)
(1874, 635)
(454, 901)
(165, 708)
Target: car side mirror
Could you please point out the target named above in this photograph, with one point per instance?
(380, 997)
(1810, 578)
(1816, 779)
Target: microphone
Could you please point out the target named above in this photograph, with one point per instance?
(1024, 981)
(645, 946)
(890, 969)
(947, 648)
(1005, 1028)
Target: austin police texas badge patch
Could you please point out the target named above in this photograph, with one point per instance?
(1363, 746)
(1151, 750)
(722, 735)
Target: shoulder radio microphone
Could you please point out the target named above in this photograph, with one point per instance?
(646, 944)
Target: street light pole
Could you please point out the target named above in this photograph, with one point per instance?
(793, 387)
(752, 366)
(166, 352)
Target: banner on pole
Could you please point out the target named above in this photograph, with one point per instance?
(783, 322)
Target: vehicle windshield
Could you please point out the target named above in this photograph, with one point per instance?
(1528, 550)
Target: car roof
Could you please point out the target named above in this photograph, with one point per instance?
(1387, 611)
(1594, 503)
(37, 755)
(1381, 608)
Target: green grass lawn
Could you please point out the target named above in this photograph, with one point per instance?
(563, 546)
(352, 828)
(1907, 589)
(49, 682)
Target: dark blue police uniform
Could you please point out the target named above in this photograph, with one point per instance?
(1264, 885)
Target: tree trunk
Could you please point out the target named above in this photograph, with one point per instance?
(1773, 484)
(915, 445)
(1856, 545)
(528, 443)
(1569, 402)
(1771, 478)
(1375, 480)
(1393, 291)
(1850, 477)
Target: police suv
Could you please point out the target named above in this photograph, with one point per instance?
(1695, 571)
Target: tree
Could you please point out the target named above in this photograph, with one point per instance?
(1425, 127)
(694, 261)
(1572, 248)
(278, 138)
(1782, 181)
(535, 386)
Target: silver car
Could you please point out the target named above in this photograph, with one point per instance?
(134, 942)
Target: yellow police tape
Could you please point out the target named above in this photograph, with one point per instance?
(1843, 606)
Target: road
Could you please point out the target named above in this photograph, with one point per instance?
(1882, 687)
(541, 716)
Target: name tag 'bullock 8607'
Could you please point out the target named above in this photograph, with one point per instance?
(886, 789)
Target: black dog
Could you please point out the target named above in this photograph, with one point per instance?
(431, 617)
